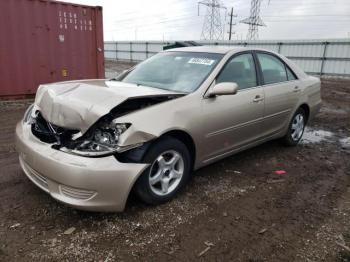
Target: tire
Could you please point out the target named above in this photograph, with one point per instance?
(151, 185)
(296, 128)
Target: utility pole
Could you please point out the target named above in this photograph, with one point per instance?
(213, 27)
(230, 33)
(254, 20)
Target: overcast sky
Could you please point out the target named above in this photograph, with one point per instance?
(179, 20)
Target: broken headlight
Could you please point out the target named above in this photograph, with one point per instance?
(103, 140)
(28, 118)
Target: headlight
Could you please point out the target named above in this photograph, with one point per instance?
(101, 141)
(28, 118)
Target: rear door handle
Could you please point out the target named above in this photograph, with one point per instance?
(257, 99)
(296, 89)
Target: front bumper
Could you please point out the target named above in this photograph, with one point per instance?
(95, 184)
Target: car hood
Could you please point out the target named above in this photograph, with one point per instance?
(79, 104)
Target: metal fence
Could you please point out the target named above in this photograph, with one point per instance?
(329, 57)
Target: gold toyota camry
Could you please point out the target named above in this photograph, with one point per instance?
(91, 143)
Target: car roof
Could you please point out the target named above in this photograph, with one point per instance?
(210, 49)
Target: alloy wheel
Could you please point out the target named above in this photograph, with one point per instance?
(297, 127)
(166, 172)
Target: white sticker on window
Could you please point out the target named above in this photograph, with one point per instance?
(201, 61)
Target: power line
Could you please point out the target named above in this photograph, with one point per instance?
(213, 27)
(303, 20)
(155, 23)
(150, 27)
(306, 15)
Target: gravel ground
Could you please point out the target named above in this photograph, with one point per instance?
(233, 210)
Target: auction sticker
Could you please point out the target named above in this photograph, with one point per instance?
(201, 61)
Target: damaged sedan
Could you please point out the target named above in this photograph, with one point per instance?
(90, 143)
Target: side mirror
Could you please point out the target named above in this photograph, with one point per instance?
(224, 88)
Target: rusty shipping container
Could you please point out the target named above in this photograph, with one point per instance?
(45, 41)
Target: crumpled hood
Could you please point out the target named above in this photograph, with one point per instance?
(79, 104)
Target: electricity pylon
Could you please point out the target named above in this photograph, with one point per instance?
(254, 20)
(213, 27)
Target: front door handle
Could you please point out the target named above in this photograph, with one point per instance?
(258, 98)
(296, 89)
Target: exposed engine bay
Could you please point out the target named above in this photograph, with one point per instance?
(102, 137)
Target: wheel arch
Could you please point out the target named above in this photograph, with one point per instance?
(137, 155)
(180, 135)
(306, 109)
(186, 139)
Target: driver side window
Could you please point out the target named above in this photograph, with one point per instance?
(241, 70)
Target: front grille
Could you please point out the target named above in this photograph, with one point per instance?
(50, 133)
(40, 179)
(80, 194)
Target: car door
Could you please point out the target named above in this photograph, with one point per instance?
(232, 121)
(281, 91)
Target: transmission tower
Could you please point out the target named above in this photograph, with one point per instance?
(254, 20)
(213, 27)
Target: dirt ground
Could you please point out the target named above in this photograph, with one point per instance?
(233, 210)
(113, 68)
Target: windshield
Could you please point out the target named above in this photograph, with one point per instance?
(174, 71)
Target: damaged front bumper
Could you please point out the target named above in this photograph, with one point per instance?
(95, 184)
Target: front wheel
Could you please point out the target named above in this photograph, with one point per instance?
(296, 128)
(169, 170)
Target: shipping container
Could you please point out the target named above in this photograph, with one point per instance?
(45, 41)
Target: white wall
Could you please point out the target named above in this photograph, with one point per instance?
(330, 57)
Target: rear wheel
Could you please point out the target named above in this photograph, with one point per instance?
(168, 172)
(296, 128)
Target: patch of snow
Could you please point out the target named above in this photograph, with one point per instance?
(345, 142)
(333, 110)
(315, 136)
